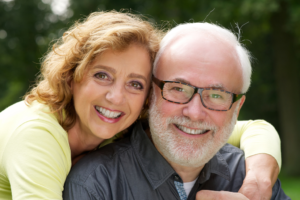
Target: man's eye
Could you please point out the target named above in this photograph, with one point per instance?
(178, 89)
(216, 96)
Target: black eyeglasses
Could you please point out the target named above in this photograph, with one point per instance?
(182, 93)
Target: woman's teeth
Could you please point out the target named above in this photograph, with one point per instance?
(191, 131)
(107, 113)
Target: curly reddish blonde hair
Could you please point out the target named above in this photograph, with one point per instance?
(70, 56)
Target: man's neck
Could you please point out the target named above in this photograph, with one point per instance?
(187, 174)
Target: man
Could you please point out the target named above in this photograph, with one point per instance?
(200, 75)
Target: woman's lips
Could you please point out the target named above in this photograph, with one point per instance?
(108, 115)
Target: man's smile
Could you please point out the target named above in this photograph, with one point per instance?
(192, 131)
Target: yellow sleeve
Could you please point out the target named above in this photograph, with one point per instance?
(255, 137)
(37, 163)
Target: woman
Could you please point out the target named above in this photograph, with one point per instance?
(93, 84)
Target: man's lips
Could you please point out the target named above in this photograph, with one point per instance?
(191, 131)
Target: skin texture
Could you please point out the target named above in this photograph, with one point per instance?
(206, 64)
(116, 81)
(200, 61)
(222, 195)
(261, 174)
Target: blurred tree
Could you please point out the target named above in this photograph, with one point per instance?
(26, 29)
(287, 75)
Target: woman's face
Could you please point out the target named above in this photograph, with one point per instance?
(111, 95)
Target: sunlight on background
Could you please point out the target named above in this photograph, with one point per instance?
(59, 7)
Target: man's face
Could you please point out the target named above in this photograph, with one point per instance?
(190, 134)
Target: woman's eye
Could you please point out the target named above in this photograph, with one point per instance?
(102, 76)
(136, 85)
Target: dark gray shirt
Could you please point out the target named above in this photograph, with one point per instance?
(133, 169)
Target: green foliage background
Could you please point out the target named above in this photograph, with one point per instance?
(270, 30)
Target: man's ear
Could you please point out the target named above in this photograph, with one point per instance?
(149, 98)
(241, 103)
(243, 99)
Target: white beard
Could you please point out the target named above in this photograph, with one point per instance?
(186, 151)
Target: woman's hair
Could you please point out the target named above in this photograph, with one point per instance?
(70, 56)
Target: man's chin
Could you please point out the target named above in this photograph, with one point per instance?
(187, 155)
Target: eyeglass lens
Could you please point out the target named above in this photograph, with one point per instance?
(211, 98)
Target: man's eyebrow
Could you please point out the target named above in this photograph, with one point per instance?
(109, 69)
(182, 80)
(217, 86)
(134, 75)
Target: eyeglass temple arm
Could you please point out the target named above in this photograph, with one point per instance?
(237, 97)
(159, 83)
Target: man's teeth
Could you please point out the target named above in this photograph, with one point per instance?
(191, 131)
(107, 113)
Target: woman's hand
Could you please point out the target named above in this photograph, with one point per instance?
(261, 174)
(219, 195)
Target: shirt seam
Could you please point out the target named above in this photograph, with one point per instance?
(85, 187)
(155, 186)
(101, 164)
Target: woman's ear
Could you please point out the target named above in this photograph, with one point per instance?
(70, 84)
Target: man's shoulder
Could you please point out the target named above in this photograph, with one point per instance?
(103, 160)
(227, 170)
(228, 148)
(232, 155)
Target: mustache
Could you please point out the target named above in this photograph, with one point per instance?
(185, 121)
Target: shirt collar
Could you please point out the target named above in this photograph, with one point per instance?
(217, 165)
(155, 167)
(158, 170)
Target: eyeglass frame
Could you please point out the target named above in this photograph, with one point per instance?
(161, 83)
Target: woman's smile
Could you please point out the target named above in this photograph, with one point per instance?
(108, 115)
(114, 87)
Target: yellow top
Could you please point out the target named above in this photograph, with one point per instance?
(256, 136)
(35, 156)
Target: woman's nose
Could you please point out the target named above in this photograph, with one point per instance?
(116, 95)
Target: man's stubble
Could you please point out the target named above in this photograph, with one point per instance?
(185, 151)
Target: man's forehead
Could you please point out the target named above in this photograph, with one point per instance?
(193, 54)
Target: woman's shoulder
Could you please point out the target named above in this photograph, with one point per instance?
(20, 116)
(21, 112)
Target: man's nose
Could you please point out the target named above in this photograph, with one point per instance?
(195, 109)
(116, 94)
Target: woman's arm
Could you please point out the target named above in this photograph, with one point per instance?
(256, 137)
(36, 163)
(261, 144)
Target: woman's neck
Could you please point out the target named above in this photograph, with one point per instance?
(81, 141)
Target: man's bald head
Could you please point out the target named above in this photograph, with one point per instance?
(206, 31)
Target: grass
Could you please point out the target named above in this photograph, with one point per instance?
(291, 186)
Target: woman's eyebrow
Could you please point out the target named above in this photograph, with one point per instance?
(109, 69)
(134, 75)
